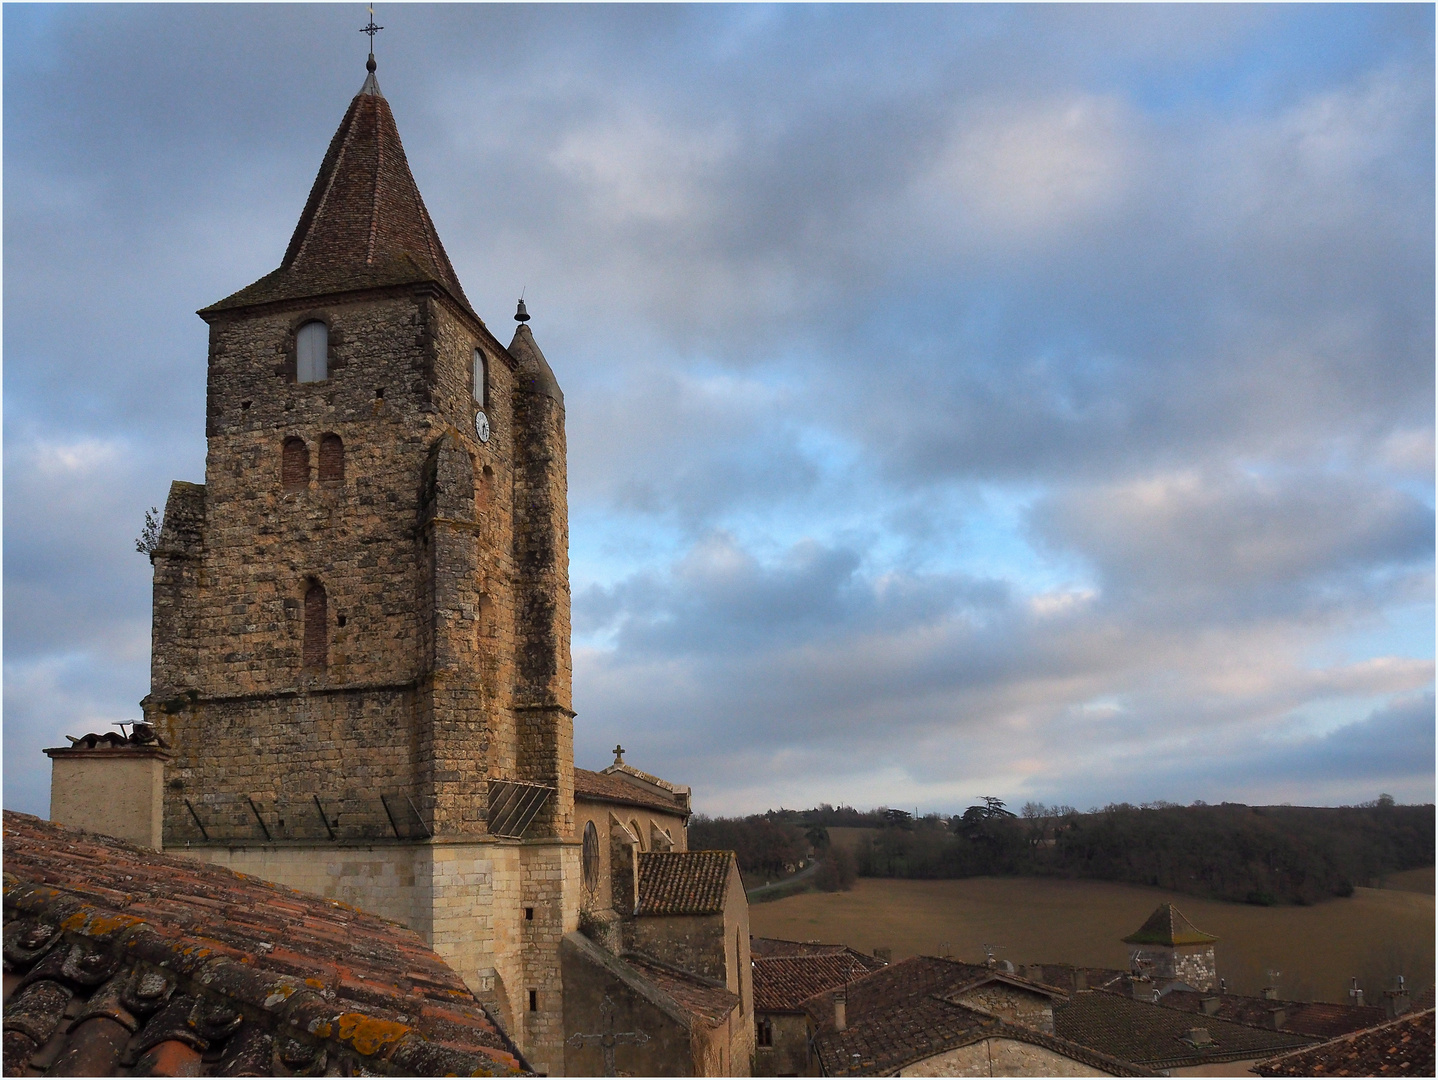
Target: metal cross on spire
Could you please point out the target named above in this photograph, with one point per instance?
(608, 1039)
(371, 29)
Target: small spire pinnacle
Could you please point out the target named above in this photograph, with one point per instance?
(521, 316)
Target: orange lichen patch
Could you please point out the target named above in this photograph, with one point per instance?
(369, 1035)
(90, 922)
(318, 984)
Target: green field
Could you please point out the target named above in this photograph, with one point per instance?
(1374, 934)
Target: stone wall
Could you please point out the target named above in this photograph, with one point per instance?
(788, 1054)
(1012, 1004)
(116, 792)
(999, 1057)
(353, 758)
(414, 548)
(1190, 964)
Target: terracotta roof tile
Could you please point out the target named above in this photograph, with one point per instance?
(1321, 1019)
(608, 788)
(1156, 1037)
(364, 225)
(762, 946)
(182, 952)
(784, 983)
(683, 882)
(1402, 1047)
(704, 999)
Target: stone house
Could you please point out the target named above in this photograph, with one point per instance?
(927, 1016)
(786, 975)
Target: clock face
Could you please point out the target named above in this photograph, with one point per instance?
(481, 426)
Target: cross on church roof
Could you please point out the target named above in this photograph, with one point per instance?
(608, 1039)
(371, 29)
(618, 754)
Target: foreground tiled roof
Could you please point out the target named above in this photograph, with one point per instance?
(899, 1015)
(1160, 1038)
(364, 224)
(1321, 1019)
(784, 983)
(119, 960)
(1402, 1047)
(608, 788)
(683, 882)
(1167, 926)
(704, 999)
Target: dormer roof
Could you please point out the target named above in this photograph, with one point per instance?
(364, 225)
(1167, 926)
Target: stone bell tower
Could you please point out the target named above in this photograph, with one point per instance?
(361, 619)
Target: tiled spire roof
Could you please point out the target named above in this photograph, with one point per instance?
(1167, 926)
(364, 225)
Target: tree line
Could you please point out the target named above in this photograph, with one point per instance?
(1255, 854)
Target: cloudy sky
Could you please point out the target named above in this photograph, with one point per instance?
(1034, 402)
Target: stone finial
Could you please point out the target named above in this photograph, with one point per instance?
(618, 754)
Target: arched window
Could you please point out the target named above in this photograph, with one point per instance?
(317, 629)
(312, 352)
(590, 857)
(765, 1032)
(481, 379)
(332, 458)
(295, 465)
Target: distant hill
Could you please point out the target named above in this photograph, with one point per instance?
(1255, 854)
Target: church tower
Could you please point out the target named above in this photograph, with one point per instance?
(361, 619)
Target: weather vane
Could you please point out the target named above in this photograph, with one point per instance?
(371, 29)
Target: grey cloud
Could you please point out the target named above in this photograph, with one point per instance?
(1241, 545)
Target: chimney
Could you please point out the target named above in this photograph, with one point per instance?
(1355, 995)
(1395, 1002)
(1277, 1018)
(1209, 1005)
(1080, 979)
(840, 1020)
(882, 953)
(1198, 1037)
(112, 784)
(1270, 993)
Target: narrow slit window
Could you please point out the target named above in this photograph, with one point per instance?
(332, 459)
(316, 644)
(534, 1001)
(312, 347)
(295, 465)
(481, 379)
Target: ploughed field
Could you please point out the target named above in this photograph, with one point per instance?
(1374, 934)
